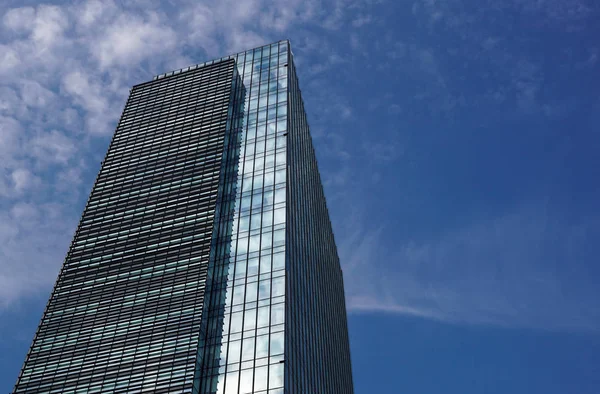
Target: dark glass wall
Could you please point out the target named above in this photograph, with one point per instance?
(317, 348)
(125, 312)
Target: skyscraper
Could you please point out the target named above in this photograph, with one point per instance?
(204, 261)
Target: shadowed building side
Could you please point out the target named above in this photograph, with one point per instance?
(317, 345)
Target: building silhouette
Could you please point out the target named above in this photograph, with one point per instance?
(204, 261)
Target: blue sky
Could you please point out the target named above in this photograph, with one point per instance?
(458, 142)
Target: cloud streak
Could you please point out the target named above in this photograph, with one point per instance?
(523, 269)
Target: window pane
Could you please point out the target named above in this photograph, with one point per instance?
(250, 319)
(264, 289)
(251, 289)
(254, 243)
(278, 261)
(279, 237)
(253, 267)
(265, 264)
(278, 285)
(248, 349)
(267, 217)
(276, 343)
(238, 291)
(275, 376)
(234, 353)
(267, 240)
(260, 378)
(263, 317)
(262, 346)
(246, 381)
(277, 314)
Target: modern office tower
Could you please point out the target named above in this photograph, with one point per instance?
(204, 261)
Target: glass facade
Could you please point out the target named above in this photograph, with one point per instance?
(204, 261)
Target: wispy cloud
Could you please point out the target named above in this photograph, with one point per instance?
(65, 72)
(497, 54)
(526, 268)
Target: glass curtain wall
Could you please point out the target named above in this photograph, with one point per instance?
(243, 345)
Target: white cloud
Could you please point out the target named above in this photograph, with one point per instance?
(52, 147)
(361, 20)
(92, 98)
(512, 271)
(131, 39)
(34, 239)
(91, 12)
(9, 59)
(66, 71)
(35, 95)
(48, 26)
(23, 180)
(19, 19)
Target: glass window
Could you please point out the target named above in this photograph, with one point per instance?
(262, 319)
(235, 348)
(281, 110)
(281, 141)
(262, 346)
(260, 131)
(279, 216)
(279, 237)
(268, 198)
(270, 161)
(258, 181)
(247, 184)
(257, 200)
(240, 269)
(275, 376)
(276, 343)
(260, 163)
(251, 291)
(253, 104)
(269, 178)
(254, 243)
(263, 100)
(242, 246)
(272, 98)
(248, 349)
(245, 203)
(265, 264)
(267, 240)
(279, 195)
(253, 267)
(260, 145)
(231, 385)
(246, 381)
(251, 133)
(264, 289)
(280, 176)
(250, 319)
(249, 151)
(236, 323)
(255, 222)
(260, 378)
(267, 218)
(248, 166)
(278, 287)
(277, 314)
